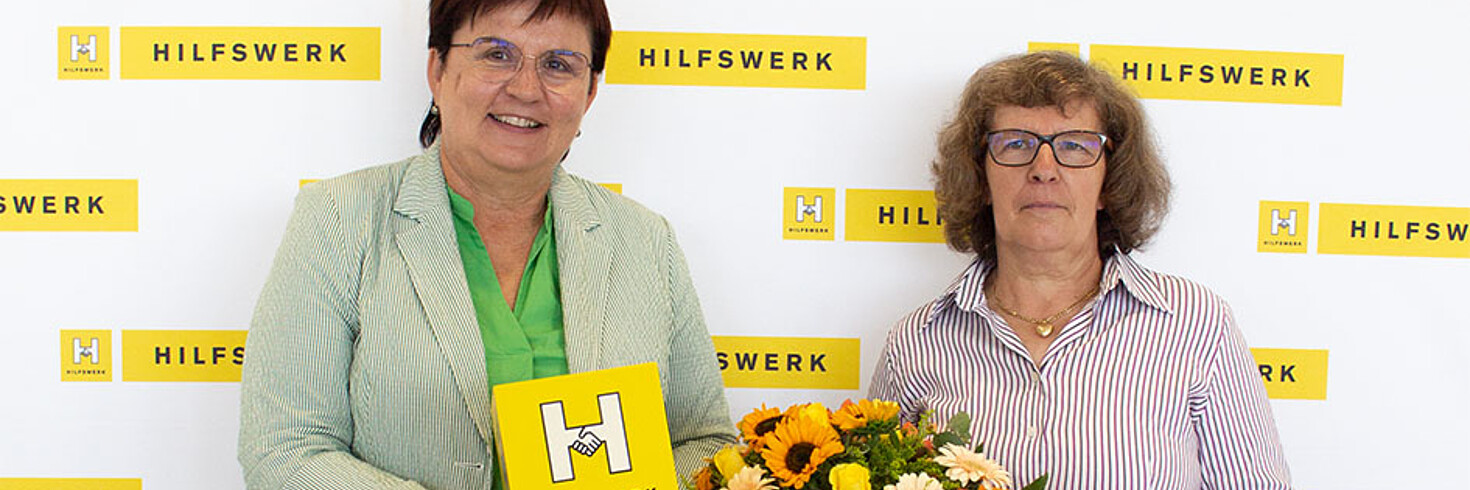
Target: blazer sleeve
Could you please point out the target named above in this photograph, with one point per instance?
(699, 418)
(295, 414)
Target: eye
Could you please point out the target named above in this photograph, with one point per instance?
(1071, 146)
(497, 53)
(556, 64)
(1016, 144)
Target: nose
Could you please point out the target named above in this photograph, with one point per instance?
(525, 84)
(1044, 168)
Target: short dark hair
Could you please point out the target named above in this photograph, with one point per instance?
(1136, 187)
(446, 16)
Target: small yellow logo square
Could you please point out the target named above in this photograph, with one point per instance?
(81, 53)
(809, 213)
(86, 355)
(1283, 227)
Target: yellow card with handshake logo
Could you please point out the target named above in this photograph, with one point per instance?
(600, 429)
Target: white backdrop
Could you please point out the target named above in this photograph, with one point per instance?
(218, 162)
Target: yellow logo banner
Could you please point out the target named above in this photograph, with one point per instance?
(81, 53)
(878, 215)
(1074, 48)
(251, 53)
(68, 205)
(1406, 231)
(737, 60)
(86, 355)
(1293, 374)
(182, 355)
(596, 430)
(789, 362)
(1283, 227)
(1225, 75)
(71, 483)
(808, 213)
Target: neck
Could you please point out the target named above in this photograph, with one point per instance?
(1043, 282)
(499, 197)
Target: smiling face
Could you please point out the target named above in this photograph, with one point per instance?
(1045, 207)
(516, 126)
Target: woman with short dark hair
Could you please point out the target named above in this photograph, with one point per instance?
(402, 293)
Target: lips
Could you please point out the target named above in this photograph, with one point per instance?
(517, 121)
(1042, 205)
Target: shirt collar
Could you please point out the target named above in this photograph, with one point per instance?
(967, 291)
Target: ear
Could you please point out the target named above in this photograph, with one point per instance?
(591, 93)
(435, 72)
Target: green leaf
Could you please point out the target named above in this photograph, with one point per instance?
(947, 438)
(1039, 484)
(959, 424)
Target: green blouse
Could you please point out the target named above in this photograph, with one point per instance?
(528, 341)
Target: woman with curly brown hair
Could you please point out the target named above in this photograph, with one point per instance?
(1075, 359)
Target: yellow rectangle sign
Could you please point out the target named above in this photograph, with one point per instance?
(69, 205)
(601, 429)
(86, 355)
(71, 484)
(789, 362)
(737, 60)
(1293, 374)
(251, 53)
(1073, 48)
(1406, 231)
(880, 215)
(1225, 75)
(182, 355)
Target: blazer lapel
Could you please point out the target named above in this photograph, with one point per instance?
(438, 278)
(585, 260)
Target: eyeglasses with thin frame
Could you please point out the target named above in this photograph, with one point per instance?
(497, 60)
(1018, 147)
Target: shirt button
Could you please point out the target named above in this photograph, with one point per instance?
(1031, 432)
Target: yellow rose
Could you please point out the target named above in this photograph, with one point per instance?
(729, 462)
(815, 411)
(849, 476)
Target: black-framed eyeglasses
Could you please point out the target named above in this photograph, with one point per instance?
(497, 60)
(1018, 147)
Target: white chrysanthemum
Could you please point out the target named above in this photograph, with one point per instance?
(915, 481)
(750, 478)
(965, 466)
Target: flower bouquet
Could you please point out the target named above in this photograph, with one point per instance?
(861, 446)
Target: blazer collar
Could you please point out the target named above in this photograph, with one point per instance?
(585, 260)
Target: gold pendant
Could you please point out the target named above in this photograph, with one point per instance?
(1043, 329)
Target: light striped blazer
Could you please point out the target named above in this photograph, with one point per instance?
(365, 367)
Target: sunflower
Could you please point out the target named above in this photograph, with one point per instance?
(797, 447)
(755, 426)
(855, 415)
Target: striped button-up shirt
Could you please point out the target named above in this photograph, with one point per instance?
(1151, 386)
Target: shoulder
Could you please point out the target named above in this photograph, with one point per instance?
(1190, 301)
(362, 190)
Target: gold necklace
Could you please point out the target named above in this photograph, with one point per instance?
(1044, 327)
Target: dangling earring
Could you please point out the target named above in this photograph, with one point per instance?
(579, 134)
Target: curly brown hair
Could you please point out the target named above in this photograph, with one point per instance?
(1135, 189)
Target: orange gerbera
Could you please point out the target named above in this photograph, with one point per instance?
(797, 447)
(855, 415)
(755, 426)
